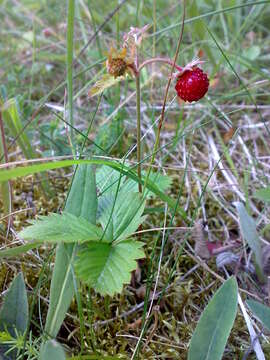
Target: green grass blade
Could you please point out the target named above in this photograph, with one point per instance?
(4, 187)
(198, 30)
(210, 13)
(239, 78)
(70, 35)
(33, 169)
(13, 121)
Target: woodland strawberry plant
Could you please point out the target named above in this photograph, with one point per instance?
(94, 234)
(99, 255)
(105, 251)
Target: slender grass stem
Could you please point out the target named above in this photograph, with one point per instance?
(8, 199)
(165, 99)
(69, 59)
(138, 106)
(154, 46)
(5, 151)
(95, 28)
(145, 314)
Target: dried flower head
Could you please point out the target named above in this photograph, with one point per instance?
(118, 63)
(122, 62)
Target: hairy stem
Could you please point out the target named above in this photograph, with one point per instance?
(163, 60)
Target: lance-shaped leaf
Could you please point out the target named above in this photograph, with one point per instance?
(65, 227)
(262, 312)
(263, 194)
(249, 232)
(14, 311)
(52, 350)
(211, 334)
(107, 267)
(81, 202)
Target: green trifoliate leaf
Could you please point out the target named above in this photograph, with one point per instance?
(66, 227)
(121, 216)
(107, 267)
(107, 182)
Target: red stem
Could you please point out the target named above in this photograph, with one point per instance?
(159, 59)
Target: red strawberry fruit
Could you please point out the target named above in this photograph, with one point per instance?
(192, 85)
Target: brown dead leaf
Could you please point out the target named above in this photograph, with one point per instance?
(199, 237)
(141, 292)
(135, 325)
(229, 134)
